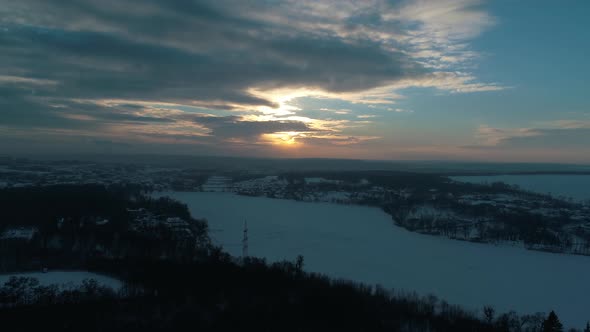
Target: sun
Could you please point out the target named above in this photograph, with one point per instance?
(284, 138)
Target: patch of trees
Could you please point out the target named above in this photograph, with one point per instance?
(162, 206)
(490, 222)
(74, 223)
(26, 291)
(188, 179)
(375, 178)
(37, 206)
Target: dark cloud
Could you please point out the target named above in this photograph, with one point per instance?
(109, 143)
(26, 110)
(23, 108)
(183, 51)
(67, 57)
(235, 127)
(97, 65)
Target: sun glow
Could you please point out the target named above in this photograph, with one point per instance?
(286, 138)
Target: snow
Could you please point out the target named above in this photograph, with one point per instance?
(65, 279)
(362, 244)
(22, 233)
(102, 222)
(321, 180)
(429, 211)
(364, 182)
(217, 184)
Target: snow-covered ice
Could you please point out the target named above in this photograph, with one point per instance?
(362, 244)
(575, 186)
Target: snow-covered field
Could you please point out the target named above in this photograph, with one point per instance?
(362, 244)
(65, 279)
(575, 186)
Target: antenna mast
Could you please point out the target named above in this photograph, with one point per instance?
(245, 241)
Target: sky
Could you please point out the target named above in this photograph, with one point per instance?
(465, 80)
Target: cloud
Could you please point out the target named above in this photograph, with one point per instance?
(447, 19)
(24, 81)
(552, 139)
(215, 51)
(558, 134)
(568, 124)
(20, 108)
(109, 143)
(556, 141)
(105, 54)
(441, 28)
(491, 137)
(130, 69)
(337, 140)
(399, 110)
(236, 127)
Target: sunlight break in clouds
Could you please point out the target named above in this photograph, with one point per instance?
(227, 74)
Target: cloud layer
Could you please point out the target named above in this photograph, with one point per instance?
(153, 70)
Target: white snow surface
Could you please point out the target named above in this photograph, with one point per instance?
(65, 279)
(25, 233)
(362, 244)
(321, 180)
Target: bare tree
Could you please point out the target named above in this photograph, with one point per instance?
(488, 313)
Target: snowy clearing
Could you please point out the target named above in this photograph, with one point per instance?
(65, 279)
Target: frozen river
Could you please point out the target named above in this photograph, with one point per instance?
(362, 244)
(575, 186)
